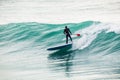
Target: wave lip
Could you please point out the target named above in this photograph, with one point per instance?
(92, 33)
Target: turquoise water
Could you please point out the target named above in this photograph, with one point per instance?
(93, 56)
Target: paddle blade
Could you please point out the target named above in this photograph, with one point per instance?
(78, 34)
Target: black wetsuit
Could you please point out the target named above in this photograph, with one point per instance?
(67, 33)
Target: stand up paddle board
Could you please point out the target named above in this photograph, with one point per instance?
(60, 47)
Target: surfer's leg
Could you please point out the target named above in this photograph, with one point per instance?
(70, 37)
(66, 39)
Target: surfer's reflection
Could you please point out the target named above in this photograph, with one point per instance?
(62, 61)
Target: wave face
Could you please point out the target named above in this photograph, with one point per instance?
(93, 56)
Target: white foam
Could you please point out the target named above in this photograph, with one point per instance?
(90, 33)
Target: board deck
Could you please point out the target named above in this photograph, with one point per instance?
(60, 47)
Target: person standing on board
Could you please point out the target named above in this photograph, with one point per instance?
(67, 32)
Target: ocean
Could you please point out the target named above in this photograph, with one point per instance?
(95, 55)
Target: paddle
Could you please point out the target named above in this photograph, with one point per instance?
(77, 34)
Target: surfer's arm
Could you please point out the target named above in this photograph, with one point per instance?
(69, 31)
(65, 32)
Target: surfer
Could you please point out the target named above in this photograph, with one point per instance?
(67, 32)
